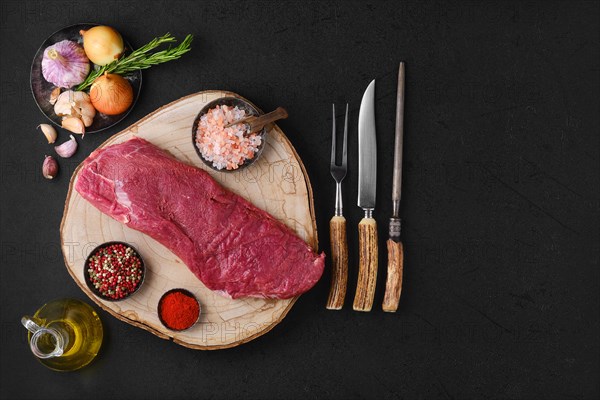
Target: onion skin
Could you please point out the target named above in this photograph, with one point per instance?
(65, 64)
(111, 94)
(102, 44)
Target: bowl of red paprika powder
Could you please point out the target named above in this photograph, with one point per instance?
(114, 271)
(178, 310)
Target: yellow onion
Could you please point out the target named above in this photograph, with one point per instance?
(111, 94)
(102, 44)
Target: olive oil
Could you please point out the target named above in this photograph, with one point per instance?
(75, 322)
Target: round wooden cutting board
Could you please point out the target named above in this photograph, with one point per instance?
(277, 183)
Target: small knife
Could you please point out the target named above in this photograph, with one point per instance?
(367, 183)
(393, 285)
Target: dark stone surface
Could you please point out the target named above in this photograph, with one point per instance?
(500, 198)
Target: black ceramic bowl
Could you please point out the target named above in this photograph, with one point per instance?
(185, 292)
(231, 102)
(41, 89)
(91, 286)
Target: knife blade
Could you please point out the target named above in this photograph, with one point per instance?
(367, 184)
(367, 150)
(393, 285)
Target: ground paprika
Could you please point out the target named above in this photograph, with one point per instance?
(178, 309)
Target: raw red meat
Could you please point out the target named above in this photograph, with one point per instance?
(228, 243)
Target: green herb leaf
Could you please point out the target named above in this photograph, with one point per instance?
(141, 59)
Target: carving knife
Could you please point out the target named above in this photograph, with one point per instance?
(393, 285)
(367, 183)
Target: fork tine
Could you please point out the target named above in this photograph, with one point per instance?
(345, 149)
(333, 149)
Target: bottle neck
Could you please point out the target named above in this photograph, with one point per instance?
(45, 342)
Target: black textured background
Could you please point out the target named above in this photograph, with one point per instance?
(500, 197)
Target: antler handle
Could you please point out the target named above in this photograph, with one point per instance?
(367, 268)
(393, 285)
(339, 259)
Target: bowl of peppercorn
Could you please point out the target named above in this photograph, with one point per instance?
(114, 271)
(178, 310)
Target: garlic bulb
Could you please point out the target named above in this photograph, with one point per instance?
(65, 64)
(75, 104)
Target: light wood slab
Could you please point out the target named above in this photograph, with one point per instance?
(277, 183)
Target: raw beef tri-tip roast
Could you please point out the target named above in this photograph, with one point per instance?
(231, 245)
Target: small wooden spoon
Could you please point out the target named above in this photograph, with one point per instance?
(255, 124)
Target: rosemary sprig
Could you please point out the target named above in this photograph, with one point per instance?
(140, 59)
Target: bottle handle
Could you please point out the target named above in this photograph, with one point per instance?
(37, 332)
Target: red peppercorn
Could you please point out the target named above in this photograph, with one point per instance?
(115, 270)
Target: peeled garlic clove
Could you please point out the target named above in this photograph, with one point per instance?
(49, 167)
(74, 125)
(68, 148)
(49, 132)
(54, 95)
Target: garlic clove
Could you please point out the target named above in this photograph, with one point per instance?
(87, 120)
(49, 167)
(74, 111)
(63, 103)
(49, 132)
(80, 96)
(88, 112)
(68, 148)
(74, 125)
(75, 104)
(54, 95)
